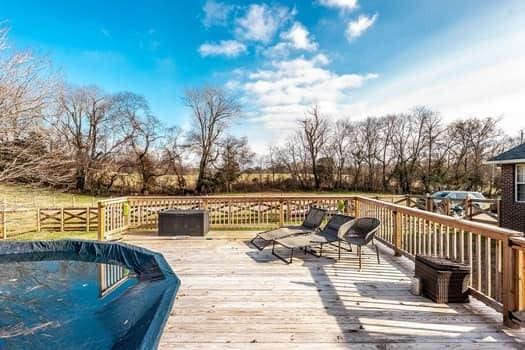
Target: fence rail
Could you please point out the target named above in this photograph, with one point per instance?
(15, 222)
(479, 210)
(493, 253)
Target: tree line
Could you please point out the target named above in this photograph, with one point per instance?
(85, 139)
(413, 152)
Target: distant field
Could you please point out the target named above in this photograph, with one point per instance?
(20, 196)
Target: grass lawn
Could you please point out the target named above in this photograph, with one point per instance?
(56, 235)
(21, 196)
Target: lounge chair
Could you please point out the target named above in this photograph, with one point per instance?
(313, 220)
(331, 233)
(360, 233)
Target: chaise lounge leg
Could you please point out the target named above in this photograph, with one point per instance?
(280, 257)
(377, 253)
(255, 245)
(339, 250)
(359, 253)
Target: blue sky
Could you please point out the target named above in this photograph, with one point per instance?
(352, 57)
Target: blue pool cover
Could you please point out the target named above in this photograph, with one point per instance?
(74, 294)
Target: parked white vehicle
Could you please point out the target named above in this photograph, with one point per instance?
(457, 201)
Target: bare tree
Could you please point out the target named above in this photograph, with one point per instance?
(212, 111)
(87, 122)
(27, 88)
(313, 134)
(144, 136)
(173, 155)
(339, 147)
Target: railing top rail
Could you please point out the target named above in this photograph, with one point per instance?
(113, 200)
(244, 197)
(470, 226)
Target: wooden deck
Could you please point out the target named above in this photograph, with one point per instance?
(235, 297)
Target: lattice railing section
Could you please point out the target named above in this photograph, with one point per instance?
(235, 211)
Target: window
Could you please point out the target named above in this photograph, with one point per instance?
(520, 183)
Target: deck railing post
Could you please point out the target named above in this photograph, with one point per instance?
(398, 227)
(509, 282)
(357, 209)
(101, 221)
(281, 213)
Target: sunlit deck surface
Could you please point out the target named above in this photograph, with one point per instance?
(236, 297)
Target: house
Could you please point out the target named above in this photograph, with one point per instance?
(512, 163)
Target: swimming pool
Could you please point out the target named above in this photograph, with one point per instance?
(83, 295)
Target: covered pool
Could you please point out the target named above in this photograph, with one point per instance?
(83, 295)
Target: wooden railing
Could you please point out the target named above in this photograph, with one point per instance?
(113, 218)
(484, 247)
(496, 263)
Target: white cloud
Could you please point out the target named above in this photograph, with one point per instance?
(340, 4)
(279, 94)
(357, 27)
(228, 48)
(216, 13)
(282, 92)
(299, 37)
(260, 23)
(296, 38)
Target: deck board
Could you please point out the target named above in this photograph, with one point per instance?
(235, 297)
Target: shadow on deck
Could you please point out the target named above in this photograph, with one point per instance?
(236, 297)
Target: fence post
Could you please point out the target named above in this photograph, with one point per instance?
(38, 225)
(468, 207)
(101, 221)
(398, 227)
(88, 219)
(428, 202)
(62, 219)
(281, 213)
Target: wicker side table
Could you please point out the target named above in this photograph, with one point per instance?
(443, 280)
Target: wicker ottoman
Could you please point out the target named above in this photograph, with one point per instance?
(443, 281)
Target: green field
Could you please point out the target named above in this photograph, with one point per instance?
(21, 196)
(21, 201)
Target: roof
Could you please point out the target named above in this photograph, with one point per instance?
(513, 155)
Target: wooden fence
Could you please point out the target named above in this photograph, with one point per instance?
(494, 254)
(67, 219)
(15, 222)
(479, 210)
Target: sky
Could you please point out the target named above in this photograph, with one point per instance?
(353, 58)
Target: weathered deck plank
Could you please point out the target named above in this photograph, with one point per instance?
(235, 297)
